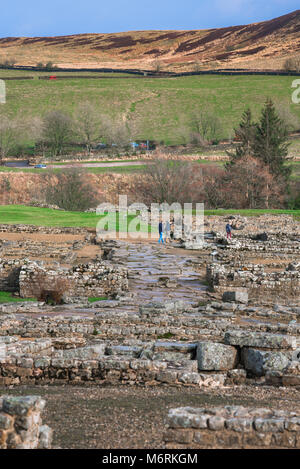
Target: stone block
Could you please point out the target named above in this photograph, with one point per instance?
(255, 339)
(216, 357)
(259, 362)
(235, 296)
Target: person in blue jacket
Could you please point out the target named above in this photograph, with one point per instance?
(228, 230)
(160, 229)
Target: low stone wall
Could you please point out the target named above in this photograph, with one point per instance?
(9, 274)
(231, 427)
(23, 249)
(224, 277)
(21, 424)
(242, 356)
(84, 280)
(12, 228)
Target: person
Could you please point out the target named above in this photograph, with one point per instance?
(228, 230)
(167, 231)
(160, 229)
(172, 229)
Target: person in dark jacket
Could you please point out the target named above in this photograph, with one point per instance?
(228, 230)
(160, 229)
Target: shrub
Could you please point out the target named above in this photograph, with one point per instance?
(52, 294)
(72, 191)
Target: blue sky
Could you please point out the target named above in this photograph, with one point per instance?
(59, 17)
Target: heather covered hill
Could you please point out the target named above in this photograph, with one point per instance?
(258, 46)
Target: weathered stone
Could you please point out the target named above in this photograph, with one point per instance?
(237, 296)
(259, 362)
(260, 340)
(215, 356)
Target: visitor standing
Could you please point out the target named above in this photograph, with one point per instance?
(167, 232)
(160, 229)
(228, 230)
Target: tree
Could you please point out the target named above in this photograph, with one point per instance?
(249, 184)
(72, 191)
(292, 64)
(10, 133)
(245, 135)
(270, 141)
(88, 124)
(57, 130)
(167, 181)
(117, 132)
(206, 127)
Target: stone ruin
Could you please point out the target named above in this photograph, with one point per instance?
(21, 424)
(240, 329)
(234, 427)
(96, 279)
(125, 349)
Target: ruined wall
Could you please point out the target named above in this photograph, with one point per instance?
(223, 277)
(9, 274)
(84, 280)
(21, 424)
(231, 427)
(72, 356)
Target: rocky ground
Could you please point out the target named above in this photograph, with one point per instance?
(134, 417)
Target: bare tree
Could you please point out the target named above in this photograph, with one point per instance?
(72, 191)
(117, 132)
(157, 65)
(10, 135)
(167, 181)
(88, 124)
(206, 127)
(292, 64)
(57, 130)
(289, 119)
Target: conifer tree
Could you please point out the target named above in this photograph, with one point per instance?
(270, 140)
(245, 135)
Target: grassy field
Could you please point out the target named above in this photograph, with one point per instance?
(158, 109)
(6, 297)
(20, 214)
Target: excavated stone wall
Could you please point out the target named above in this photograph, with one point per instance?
(231, 427)
(21, 424)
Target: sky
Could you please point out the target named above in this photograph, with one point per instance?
(63, 17)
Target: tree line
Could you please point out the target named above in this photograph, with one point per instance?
(57, 129)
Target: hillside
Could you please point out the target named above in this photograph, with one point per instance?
(257, 46)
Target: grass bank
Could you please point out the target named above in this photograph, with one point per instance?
(21, 214)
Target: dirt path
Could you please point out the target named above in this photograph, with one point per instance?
(134, 417)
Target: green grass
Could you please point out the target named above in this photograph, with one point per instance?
(117, 169)
(6, 297)
(94, 299)
(159, 109)
(21, 214)
(253, 213)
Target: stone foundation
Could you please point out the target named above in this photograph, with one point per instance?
(231, 427)
(21, 424)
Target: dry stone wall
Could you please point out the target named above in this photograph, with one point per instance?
(224, 277)
(84, 280)
(130, 349)
(21, 424)
(231, 427)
